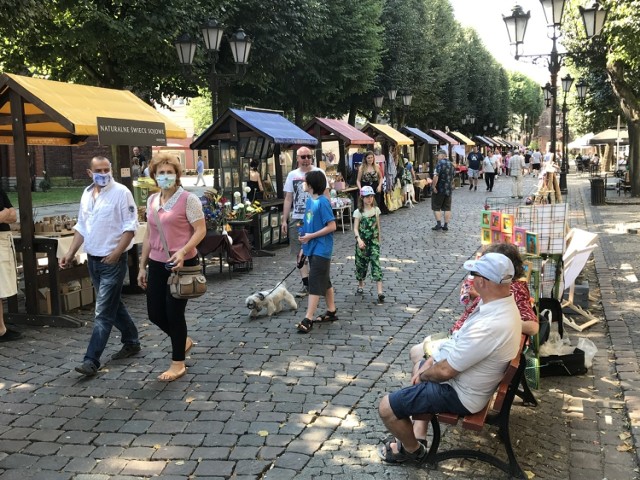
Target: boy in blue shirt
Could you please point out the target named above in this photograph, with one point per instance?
(316, 237)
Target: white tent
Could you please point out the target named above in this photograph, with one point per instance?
(581, 142)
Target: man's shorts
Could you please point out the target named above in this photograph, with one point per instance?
(440, 201)
(535, 166)
(426, 397)
(319, 273)
(473, 173)
(294, 243)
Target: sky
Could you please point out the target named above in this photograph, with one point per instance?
(485, 16)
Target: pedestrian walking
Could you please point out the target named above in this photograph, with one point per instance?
(442, 188)
(489, 168)
(8, 272)
(107, 222)
(200, 172)
(366, 227)
(474, 165)
(316, 238)
(516, 171)
(175, 227)
(536, 159)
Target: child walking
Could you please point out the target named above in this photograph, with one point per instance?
(366, 227)
(316, 238)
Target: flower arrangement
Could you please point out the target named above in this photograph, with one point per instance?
(218, 210)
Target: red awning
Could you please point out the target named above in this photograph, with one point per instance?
(443, 137)
(341, 130)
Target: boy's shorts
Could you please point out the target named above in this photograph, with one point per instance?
(319, 273)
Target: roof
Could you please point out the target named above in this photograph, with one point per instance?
(420, 135)
(272, 126)
(332, 127)
(610, 136)
(59, 113)
(462, 138)
(486, 141)
(508, 143)
(581, 142)
(443, 137)
(375, 129)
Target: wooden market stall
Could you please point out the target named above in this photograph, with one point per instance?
(236, 138)
(34, 111)
(424, 147)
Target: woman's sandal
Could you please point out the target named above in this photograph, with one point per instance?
(360, 291)
(305, 326)
(328, 316)
(188, 346)
(387, 455)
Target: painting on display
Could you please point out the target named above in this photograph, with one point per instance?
(507, 223)
(486, 236)
(496, 221)
(486, 218)
(519, 236)
(532, 246)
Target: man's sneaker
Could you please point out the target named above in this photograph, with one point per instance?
(475, 188)
(436, 228)
(445, 228)
(303, 292)
(87, 368)
(127, 350)
(470, 187)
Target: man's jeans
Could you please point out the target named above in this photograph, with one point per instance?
(110, 311)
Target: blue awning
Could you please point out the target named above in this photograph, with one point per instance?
(272, 126)
(416, 132)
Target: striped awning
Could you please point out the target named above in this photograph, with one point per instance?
(376, 130)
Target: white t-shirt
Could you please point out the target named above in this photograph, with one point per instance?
(489, 164)
(481, 351)
(293, 185)
(536, 157)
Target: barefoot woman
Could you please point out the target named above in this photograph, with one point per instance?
(182, 224)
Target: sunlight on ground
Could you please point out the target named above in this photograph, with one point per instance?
(621, 228)
(397, 260)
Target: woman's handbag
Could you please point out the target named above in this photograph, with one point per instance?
(188, 282)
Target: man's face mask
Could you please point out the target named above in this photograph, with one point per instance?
(101, 179)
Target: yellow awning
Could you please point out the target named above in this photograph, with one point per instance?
(57, 112)
(389, 132)
(464, 139)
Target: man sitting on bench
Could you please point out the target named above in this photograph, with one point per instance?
(463, 375)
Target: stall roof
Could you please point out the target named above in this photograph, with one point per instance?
(270, 125)
(462, 138)
(391, 133)
(58, 113)
(331, 127)
(486, 141)
(419, 134)
(443, 137)
(507, 143)
(610, 136)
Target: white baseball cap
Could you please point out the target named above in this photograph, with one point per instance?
(366, 191)
(495, 267)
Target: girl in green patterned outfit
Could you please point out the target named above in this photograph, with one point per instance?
(366, 227)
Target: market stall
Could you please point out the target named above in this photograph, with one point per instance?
(236, 138)
(424, 147)
(34, 111)
(392, 143)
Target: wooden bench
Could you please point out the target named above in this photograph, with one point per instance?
(496, 412)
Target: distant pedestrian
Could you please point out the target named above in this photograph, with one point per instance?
(200, 172)
(107, 222)
(516, 171)
(316, 238)
(142, 161)
(442, 188)
(474, 165)
(527, 162)
(254, 183)
(366, 227)
(489, 168)
(536, 160)
(8, 272)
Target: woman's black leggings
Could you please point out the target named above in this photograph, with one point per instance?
(488, 179)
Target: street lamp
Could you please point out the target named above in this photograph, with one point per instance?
(407, 97)
(516, 23)
(392, 93)
(581, 88)
(567, 82)
(212, 33)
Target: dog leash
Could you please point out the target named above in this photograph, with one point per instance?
(282, 281)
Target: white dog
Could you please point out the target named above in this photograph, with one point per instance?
(271, 300)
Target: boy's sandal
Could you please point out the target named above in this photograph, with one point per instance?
(305, 326)
(387, 455)
(328, 316)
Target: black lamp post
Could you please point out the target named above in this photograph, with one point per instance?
(567, 82)
(516, 23)
(212, 33)
(392, 93)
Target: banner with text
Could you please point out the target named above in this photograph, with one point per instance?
(118, 131)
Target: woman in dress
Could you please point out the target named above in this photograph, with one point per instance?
(255, 182)
(180, 216)
(370, 175)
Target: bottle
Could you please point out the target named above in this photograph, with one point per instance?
(300, 228)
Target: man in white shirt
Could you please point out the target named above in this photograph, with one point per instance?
(516, 171)
(463, 374)
(536, 159)
(294, 204)
(107, 222)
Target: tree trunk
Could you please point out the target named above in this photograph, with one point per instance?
(353, 110)
(634, 157)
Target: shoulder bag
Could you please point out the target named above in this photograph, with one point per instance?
(187, 282)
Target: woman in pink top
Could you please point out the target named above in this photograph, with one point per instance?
(180, 215)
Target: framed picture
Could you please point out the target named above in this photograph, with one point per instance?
(496, 223)
(486, 219)
(527, 267)
(266, 237)
(275, 235)
(257, 153)
(242, 146)
(227, 181)
(486, 236)
(225, 159)
(274, 219)
(264, 221)
(507, 223)
(532, 246)
(496, 236)
(519, 236)
(506, 237)
(251, 148)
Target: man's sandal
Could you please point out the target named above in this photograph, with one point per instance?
(387, 455)
(328, 316)
(305, 326)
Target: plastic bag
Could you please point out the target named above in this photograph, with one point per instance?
(589, 348)
(556, 345)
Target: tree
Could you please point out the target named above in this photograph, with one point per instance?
(525, 98)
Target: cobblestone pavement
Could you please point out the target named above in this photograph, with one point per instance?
(262, 401)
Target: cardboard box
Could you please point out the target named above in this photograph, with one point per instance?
(44, 301)
(85, 282)
(71, 301)
(87, 296)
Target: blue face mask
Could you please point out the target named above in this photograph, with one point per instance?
(166, 181)
(101, 179)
